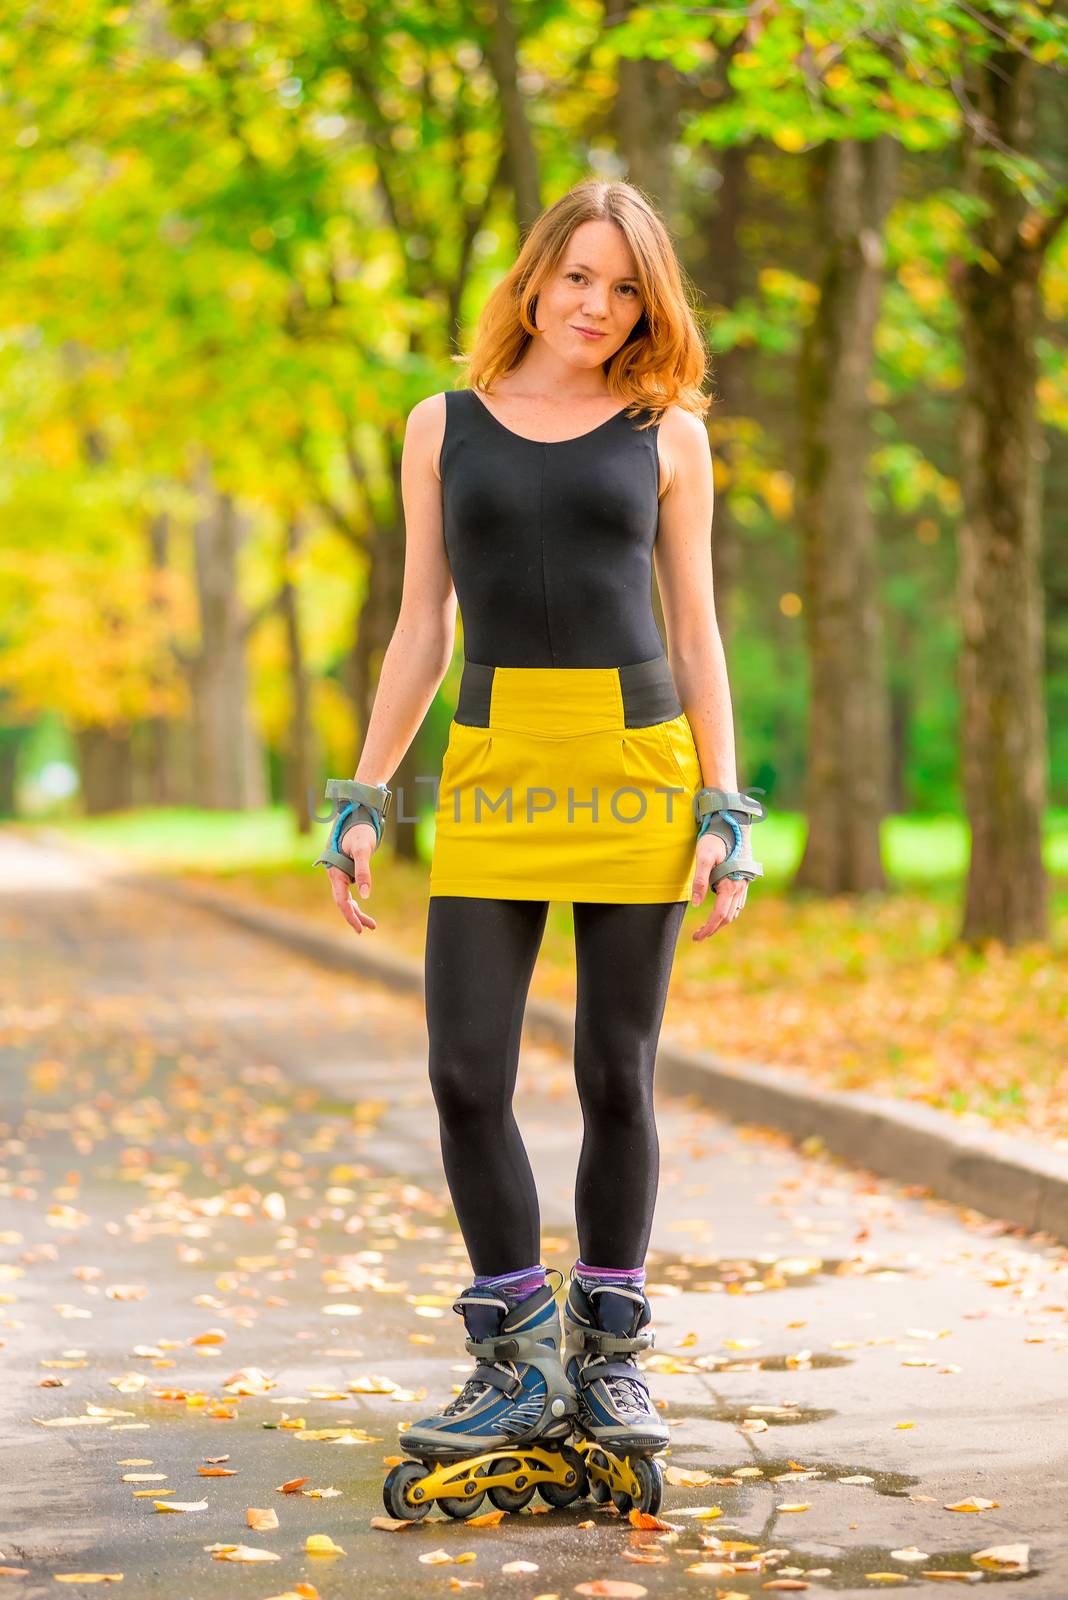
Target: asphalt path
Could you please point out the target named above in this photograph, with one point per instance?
(219, 1172)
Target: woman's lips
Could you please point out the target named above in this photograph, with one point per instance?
(588, 333)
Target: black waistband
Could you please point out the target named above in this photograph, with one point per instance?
(648, 689)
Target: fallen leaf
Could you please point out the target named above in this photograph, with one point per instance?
(485, 1519)
(687, 1477)
(321, 1544)
(974, 1503)
(1004, 1557)
(181, 1505)
(261, 1521)
(87, 1577)
(393, 1524)
(242, 1552)
(520, 1566)
(612, 1588)
(290, 1486)
(645, 1519)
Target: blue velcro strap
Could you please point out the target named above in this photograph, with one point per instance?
(706, 822)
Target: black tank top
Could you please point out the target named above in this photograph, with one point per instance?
(550, 545)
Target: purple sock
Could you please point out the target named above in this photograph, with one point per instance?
(514, 1286)
(621, 1277)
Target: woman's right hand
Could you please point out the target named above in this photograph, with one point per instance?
(358, 842)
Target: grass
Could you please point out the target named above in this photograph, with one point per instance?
(861, 992)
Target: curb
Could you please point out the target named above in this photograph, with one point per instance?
(1001, 1175)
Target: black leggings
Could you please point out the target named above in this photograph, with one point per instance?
(480, 956)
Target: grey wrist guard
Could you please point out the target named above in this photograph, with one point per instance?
(361, 802)
(731, 815)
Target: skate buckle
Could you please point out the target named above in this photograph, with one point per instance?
(496, 1349)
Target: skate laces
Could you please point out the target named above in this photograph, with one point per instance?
(475, 1387)
(627, 1394)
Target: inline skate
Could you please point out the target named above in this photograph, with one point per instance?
(618, 1425)
(506, 1433)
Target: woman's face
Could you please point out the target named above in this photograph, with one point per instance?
(594, 286)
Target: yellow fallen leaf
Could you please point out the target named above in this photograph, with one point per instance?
(888, 1577)
(801, 1505)
(520, 1566)
(181, 1505)
(261, 1521)
(952, 1577)
(88, 1577)
(144, 1477)
(904, 1424)
(242, 1552)
(321, 1544)
(394, 1524)
(435, 1558)
(1004, 1557)
(687, 1477)
(612, 1588)
(974, 1503)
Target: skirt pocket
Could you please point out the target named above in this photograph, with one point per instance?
(466, 755)
(678, 741)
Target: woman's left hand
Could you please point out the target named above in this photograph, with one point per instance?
(729, 892)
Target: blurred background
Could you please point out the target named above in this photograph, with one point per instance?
(240, 241)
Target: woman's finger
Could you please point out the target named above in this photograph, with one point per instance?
(353, 914)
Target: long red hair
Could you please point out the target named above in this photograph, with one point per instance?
(665, 359)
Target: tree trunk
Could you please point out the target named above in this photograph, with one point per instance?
(1003, 719)
(645, 116)
(228, 760)
(160, 787)
(106, 769)
(520, 156)
(298, 757)
(377, 620)
(846, 789)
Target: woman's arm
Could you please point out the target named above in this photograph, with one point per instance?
(418, 654)
(682, 557)
(420, 649)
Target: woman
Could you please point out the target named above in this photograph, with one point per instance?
(537, 498)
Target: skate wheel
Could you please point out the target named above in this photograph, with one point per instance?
(650, 1476)
(508, 1499)
(565, 1494)
(459, 1507)
(396, 1492)
(599, 1491)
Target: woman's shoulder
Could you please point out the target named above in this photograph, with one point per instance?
(681, 424)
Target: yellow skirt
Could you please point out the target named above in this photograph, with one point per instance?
(550, 791)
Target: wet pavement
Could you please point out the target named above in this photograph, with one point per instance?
(219, 1171)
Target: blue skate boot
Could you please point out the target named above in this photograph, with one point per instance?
(506, 1432)
(619, 1425)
